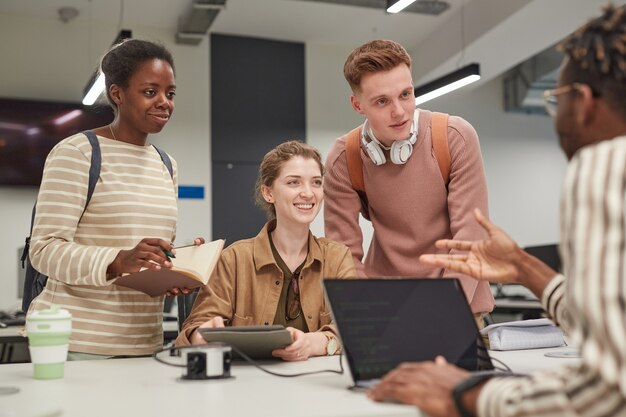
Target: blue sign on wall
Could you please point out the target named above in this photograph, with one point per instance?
(191, 191)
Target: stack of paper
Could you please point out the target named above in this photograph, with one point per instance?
(524, 334)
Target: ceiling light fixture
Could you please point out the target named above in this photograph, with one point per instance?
(96, 84)
(453, 81)
(449, 82)
(395, 6)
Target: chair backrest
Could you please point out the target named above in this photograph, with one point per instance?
(549, 254)
(185, 302)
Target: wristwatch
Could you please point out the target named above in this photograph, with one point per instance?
(459, 389)
(332, 346)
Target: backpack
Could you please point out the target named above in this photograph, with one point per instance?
(439, 128)
(35, 281)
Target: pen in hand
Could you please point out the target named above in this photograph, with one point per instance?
(171, 255)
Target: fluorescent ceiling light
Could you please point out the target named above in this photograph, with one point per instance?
(95, 90)
(449, 82)
(397, 5)
(96, 84)
(13, 126)
(208, 6)
(67, 116)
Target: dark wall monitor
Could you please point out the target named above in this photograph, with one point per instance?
(29, 129)
(548, 254)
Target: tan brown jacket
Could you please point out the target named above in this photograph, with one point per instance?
(247, 283)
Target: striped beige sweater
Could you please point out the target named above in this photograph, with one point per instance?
(590, 303)
(133, 199)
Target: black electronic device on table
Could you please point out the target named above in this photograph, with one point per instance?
(257, 342)
(384, 322)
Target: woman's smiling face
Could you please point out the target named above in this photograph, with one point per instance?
(297, 193)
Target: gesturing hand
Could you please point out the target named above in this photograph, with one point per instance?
(493, 259)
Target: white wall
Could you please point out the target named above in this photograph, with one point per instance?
(523, 162)
(49, 60)
(329, 114)
(46, 59)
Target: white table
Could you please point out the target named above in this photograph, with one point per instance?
(12, 334)
(144, 387)
(527, 361)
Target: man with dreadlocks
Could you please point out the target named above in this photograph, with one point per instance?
(590, 118)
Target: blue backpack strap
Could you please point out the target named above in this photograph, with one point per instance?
(30, 233)
(34, 281)
(166, 160)
(96, 161)
(94, 173)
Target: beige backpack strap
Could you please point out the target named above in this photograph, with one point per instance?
(353, 158)
(439, 128)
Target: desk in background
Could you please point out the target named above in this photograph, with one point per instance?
(14, 346)
(12, 334)
(515, 302)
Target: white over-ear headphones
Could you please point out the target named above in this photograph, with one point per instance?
(400, 150)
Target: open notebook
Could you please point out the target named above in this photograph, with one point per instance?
(383, 322)
(191, 269)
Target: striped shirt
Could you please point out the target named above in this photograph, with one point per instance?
(590, 303)
(134, 198)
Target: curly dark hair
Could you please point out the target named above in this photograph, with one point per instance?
(597, 56)
(122, 60)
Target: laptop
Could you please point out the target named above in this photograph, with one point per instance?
(384, 322)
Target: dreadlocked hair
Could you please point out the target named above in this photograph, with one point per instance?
(597, 55)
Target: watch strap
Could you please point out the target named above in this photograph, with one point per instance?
(332, 344)
(459, 389)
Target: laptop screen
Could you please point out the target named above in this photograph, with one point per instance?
(383, 322)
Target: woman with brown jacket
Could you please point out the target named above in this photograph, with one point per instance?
(276, 277)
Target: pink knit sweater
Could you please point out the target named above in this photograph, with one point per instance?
(409, 207)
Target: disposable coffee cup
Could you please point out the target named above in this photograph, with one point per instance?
(48, 338)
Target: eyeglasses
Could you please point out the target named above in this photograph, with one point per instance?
(549, 96)
(293, 309)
